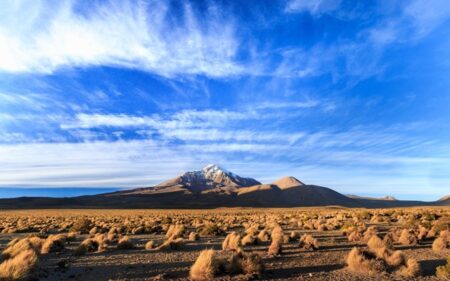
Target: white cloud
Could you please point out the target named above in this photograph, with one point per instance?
(40, 36)
(315, 7)
(427, 14)
(355, 59)
(286, 105)
(144, 163)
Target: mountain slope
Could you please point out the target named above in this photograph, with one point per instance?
(287, 182)
(214, 187)
(209, 178)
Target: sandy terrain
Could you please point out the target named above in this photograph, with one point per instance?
(295, 263)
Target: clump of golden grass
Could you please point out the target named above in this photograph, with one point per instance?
(125, 243)
(88, 245)
(263, 236)
(150, 245)
(193, 236)
(175, 231)
(14, 249)
(388, 240)
(103, 241)
(422, 233)
(407, 237)
(93, 230)
(171, 244)
(275, 247)
(411, 269)
(82, 225)
(380, 258)
(205, 267)
(372, 230)
(308, 242)
(208, 265)
(377, 246)
(232, 242)
(71, 236)
(363, 262)
(53, 243)
(294, 236)
(384, 252)
(445, 234)
(443, 271)
(355, 236)
(248, 240)
(12, 242)
(439, 245)
(395, 258)
(18, 267)
(211, 229)
(252, 264)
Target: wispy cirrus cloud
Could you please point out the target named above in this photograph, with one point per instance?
(145, 162)
(315, 7)
(141, 35)
(359, 55)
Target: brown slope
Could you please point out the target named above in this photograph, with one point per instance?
(287, 182)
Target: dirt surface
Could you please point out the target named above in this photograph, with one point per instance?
(295, 263)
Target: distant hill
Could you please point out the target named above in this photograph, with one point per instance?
(214, 187)
(387, 197)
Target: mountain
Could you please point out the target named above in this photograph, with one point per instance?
(386, 198)
(444, 201)
(212, 187)
(287, 182)
(210, 177)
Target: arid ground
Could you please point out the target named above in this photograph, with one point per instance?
(114, 244)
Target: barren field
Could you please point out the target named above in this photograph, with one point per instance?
(242, 244)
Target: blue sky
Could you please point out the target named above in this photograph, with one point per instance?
(353, 95)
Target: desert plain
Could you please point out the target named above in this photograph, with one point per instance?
(329, 243)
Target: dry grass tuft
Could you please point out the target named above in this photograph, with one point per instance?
(443, 271)
(355, 236)
(18, 267)
(252, 264)
(125, 243)
(82, 225)
(308, 242)
(32, 243)
(275, 247)
(263, 236)
(248, 240)
(411, 269)
(71, 236)
(211, 229)
(193, 236)
(407, 237)
(294, 236)
(377, 246)
(175, 231)
(232, 242)
(205, 267)
(53, 243)
(363, 262)
(394, 258)
(88, 245)
(371, 231)
(389, 240)
(439, 245)
(422, 234)
(150, 245)
(171, 244)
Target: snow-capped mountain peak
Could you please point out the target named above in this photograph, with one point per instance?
(213, 170)
(212, 176)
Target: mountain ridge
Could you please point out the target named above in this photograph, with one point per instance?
(214, 187)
